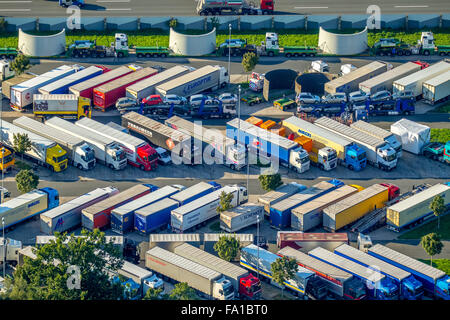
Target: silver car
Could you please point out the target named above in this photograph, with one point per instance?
(196, 99)
(306, 97)
(337, 97)
(126, 102)
(227, 98)
(357, 96)
(380, 96)
(173, 98)
(404, 95)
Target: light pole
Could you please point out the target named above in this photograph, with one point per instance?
(229, 52)
(257, 242)
(4, 248)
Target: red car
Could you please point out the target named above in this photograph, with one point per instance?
(152, 100)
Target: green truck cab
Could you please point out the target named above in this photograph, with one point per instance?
(437, 151)
(8, 53)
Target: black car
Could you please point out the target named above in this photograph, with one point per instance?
(163, 110)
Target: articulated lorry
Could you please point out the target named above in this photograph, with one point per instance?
(437, 89)
(28, 205)
(306, 241)
(9, 251)
(209, 7)
(22, 94)
(67, 216)
(7, 84)
(143, 277)
(203, 279)
(106, 95)
(348, 154)
(194, 192)
(281, 193)
(155, 216)
(205, 78)
(66, 106)
(416, 209)
(179, 144)
(241, 217)
(122, 218)
(139, 153)
(266, 143)
(379, 287)
(223, 149)
(379, 153)
(280, 213)
(310, 214)
(79, 153)
(304, 284)
(379, 133)
(107, 151)
(350, 209)
(98, 215)
(244, 283)
(61, 86)
(198, 212)
(339, 283)
(435, 282)
(43, 151)
(86, 88)
(147, 87)
(410, 287)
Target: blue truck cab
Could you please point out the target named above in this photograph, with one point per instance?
(53, 197)
(386, 289)
(411, 289)
(67, 3)
(355, 158)
(151, 186)
(215, 185)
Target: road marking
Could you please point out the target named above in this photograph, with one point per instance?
(112, 1)
(310, 7)
(26, 1)
(6, 10)
(117, 9)
(411, 6)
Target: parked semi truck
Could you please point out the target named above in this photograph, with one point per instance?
(415, 209)
(106, 95)
(180, 144)
(379, 133)
(9, 251)
(264, 142)
(379, 153)
(194, 192)
(197, 212)
(28, 205)
(86, 88)
(139, 153)
(79, 153)
(244, 283)
(203, 279)
(225, 150)
(146, 87)
(66, 106)
(241, 217)
(143, 277)
(107, 151)
(306, 241)
(67, 216)
(437, 89)
(410, 287)
(435, 282)
(379, 287)
(22, 94)
(43, 151)
(155, 216)
(208, 7)
(202, 79)
(348, 153)
(339, 283)
(354, 207)
(281, 193)
(122, 218)
(305, 283)
(280, 213)
(98, 215)
(61, 86)
(414, 82)
(310, 214)
(7, 160)
(7, 84)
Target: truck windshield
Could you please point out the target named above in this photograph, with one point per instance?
(304, 160)
(361, 156)
(332, 156)
(61, 158)
(119, 155)
(153, 156)
(7, 159)
(391, 157)
(228, 290)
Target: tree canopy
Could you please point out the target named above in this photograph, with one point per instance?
(227, 247)
(26, 180)
(432, 244)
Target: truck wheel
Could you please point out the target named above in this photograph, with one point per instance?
(148, 55)
(400, 53)
(270, 54)
(163, 55)
(426, 53)
(140, 55)
(142, 167)
(233, 167)
(288, 55)
(79, 166)
(12, 57)
(350, 167)
(303, 54)
(442, 54)
(296, 55)
(312, 54)
(120, 54)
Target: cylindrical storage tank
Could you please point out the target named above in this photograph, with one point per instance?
(343, 44)
(192, 45)
(42, 46)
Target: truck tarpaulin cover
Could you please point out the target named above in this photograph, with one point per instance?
(278, 79)
(413, 136)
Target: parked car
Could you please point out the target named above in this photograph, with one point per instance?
(152, 100)
(163, 156)
(404, 95)
(162, 111)
(380, 96)
(357, 96)
(360, 105)
(126, 102)
(338, 97)
(233, 43)
(196, 99)
(228, 98)
(173, 98)
(319, 66)
(306, 97)
(306, 108)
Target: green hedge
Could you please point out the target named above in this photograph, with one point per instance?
(440, 135)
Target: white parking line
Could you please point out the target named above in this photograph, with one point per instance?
(6, 10)
(19, 1)
(117, 9)
(411, 6)
(112, 1)
(310, 7)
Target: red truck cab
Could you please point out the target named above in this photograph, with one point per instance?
(393, 191)
(147, 158)
(250, 287)
(152, 100)
(266, 5)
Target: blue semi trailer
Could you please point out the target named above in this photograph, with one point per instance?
(410, 287)
(379, 287)
(435, 281)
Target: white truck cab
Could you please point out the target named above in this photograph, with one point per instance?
(84, 157)
(163, 156)
(364, 242)
(12, 248)
(116, 157)
(235, 156)
(328, 158)
(224, 77)
(320, 66)
(223, 289)
(152, 282)
(5, 70)
(386, 157)
(299, 160)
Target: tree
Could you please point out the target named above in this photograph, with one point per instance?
(432, 244)
(20, 64)
(227, 247)
(437, 205)
(155, 294)
(3, 25)
(249, 61)
(173, 23)
(26, 181)
(225, 202)
(21, 143)
(183, 292)
(79, 269)
(270, 181)
(283, 269)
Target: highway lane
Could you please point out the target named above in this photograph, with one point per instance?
(136, 8)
